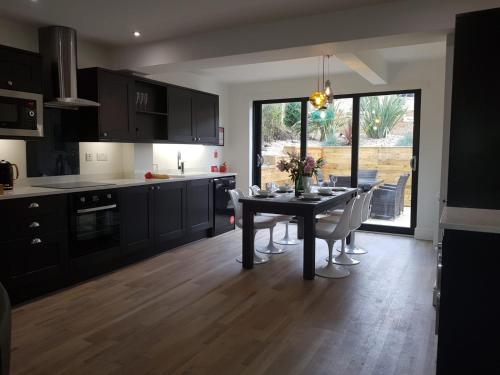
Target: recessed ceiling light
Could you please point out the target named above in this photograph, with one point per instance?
(137, 34)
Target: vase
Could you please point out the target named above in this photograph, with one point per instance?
(299, 185)
(307, 183)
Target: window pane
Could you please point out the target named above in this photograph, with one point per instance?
(329, 135)
(280, 136)
(385, 153)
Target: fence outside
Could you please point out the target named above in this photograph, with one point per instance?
(391, 162)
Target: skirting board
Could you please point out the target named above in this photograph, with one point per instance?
(424, 234)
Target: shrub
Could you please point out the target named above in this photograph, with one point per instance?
(379, 114)
(405, 140)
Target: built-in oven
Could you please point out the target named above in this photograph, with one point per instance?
(95, 222)
(21, 114)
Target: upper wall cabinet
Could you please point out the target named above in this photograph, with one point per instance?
(206, 118)
(474, 131)
(20, 70)
(193, 116)
(136, 109)
(113, 119)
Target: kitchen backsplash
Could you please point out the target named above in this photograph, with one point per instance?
(115, 159)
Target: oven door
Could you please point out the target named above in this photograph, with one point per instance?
(21, 114)
(95, 229)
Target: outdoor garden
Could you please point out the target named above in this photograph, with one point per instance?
(385, 140)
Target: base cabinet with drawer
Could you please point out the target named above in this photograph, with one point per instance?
(33, 246)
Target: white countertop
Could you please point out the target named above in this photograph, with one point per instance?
(26, 191)
(470, 219)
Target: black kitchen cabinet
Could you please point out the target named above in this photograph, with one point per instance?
(136, 214)
(200, 205)
(474, 130)
(20, 70)
(193, 117)
(113, 120)
(206, 118)
(180, 115)
(33, 245)
(33, 265)
(467, 310)
(170, 213)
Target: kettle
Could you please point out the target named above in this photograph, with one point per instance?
(7, 174)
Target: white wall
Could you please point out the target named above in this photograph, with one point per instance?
(428, 76)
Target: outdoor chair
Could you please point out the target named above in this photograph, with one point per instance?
(388, 200)
(367, 174)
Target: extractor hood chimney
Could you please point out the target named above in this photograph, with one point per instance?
(57, 45)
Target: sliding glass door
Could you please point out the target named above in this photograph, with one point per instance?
(366, 140)
(277, 134)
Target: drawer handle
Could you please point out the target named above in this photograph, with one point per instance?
(10, 83)
(34, 205)
(36, 241)
(34, 224)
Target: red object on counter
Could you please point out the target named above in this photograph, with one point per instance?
(214, 168)
(223, 167)
(148, 175)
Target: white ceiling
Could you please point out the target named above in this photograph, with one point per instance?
(274, 70)
(114, 21)
(308, 67)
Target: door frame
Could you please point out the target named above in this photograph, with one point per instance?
(257, 131)
(257, 146)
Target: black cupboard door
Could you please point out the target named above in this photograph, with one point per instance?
(116, 93)
(180, 126)
(170, 213)
(137, 220)
(206, 118)
(33, 265)
(199, 205)
(474, 131)
(20, 70)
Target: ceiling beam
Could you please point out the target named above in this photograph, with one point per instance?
(368, 64)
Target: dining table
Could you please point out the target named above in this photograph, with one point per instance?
(288, 204)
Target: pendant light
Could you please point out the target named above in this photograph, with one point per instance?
(328, 85)
(318, 98)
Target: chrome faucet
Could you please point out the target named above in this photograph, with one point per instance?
(180, 164)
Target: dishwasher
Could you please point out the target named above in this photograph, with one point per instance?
(223, 207)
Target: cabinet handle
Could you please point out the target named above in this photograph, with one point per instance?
(105, 134)
(194, 138)
(36, 241)
(157, 188)
(152, 188)
(34, 224)
(34, 205)
(10, 83)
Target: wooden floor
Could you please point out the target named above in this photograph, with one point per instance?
(194, 311)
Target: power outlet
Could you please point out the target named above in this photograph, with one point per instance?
(88, 156)
(102, 156)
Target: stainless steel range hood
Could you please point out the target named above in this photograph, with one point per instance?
(57, 45)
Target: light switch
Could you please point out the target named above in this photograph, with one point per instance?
(88, 156)
(102, 156)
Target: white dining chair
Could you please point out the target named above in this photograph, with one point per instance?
(351, 248)
(354, 223)
(259, 222)
(271, 248)
(331, 231)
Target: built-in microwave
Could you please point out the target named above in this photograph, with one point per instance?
(21, 114)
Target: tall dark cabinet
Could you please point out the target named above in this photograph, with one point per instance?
(473, 180)
(467, 275)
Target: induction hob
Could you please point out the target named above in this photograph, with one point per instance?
(72, 185)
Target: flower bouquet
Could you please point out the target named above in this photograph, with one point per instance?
(300, 168)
